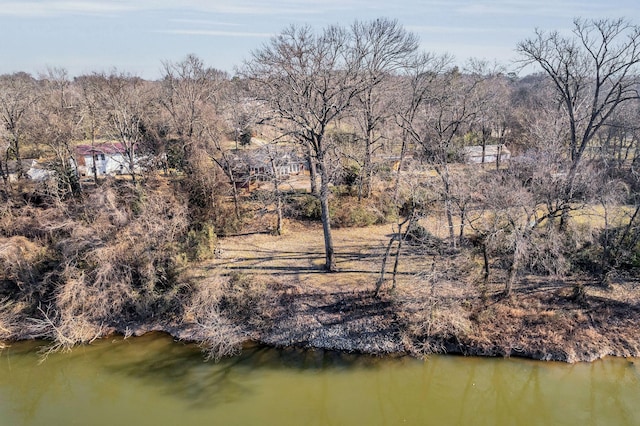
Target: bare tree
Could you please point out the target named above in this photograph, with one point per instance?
(493, 118)
(91, 115)
(240, 111)
(308, 80)
(620, 137)
(56, 118)
(225, 159)
(594, 72)
(414, 84)
(444, 108)
(18, 92)
(125, 99)
(189, 93)
(385, 47)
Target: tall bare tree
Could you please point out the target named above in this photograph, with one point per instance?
(594, 72)
(492, 121)
(385, 47)
(444, 106)
(125, 99)
(56, 123)
(308, 80)
(189, 92)
(413, 87)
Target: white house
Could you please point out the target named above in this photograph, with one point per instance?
(108, 159)
(255, 165)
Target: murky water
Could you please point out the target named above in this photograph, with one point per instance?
(153, 380)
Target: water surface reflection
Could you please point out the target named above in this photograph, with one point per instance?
(154, 380)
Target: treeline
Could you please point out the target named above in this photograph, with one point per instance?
(386, 131)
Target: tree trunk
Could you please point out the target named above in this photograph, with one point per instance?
(234, 189)
(313, 171)
(330, 263)
(279, 214)
(4, 173)
(93, 144)
(384, 264)
(16, 151)
(448, 212)
(511, 279)
(278, 194)
(365, 181)
(412, 219)
(403, 151)
(485, 259)
(462, 224)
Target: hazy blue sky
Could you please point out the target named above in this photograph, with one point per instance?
(136, 35)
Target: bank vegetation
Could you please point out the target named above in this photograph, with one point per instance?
(344, 190)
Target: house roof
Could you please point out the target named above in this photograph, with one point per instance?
(103, 148)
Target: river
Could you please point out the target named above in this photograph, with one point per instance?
(153, 380)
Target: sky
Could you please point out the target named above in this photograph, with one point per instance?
(137, 35)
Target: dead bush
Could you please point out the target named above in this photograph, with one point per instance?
(302, 206)
(65, 330)
(126, 262)
(201, 241)
(249, 300)
(431, 311)
(10, 313)
(23, 265)
(218, 335)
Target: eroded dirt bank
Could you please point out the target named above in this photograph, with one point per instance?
(542, 325)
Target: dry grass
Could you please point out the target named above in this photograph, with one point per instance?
(9, 318)
(298, 256)
(81, 269)
(447, 310)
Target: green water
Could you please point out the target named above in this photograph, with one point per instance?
(153, 380)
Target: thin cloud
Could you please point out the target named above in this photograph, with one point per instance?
(217, 33)
(543, 8)
(57, 8)
(45, 8)
(205, 22)
(254, 7)
(437, 29)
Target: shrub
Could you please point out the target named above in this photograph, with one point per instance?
(218, 335)
(246, 300)
(201, 242)
(23, 267)
(348, 212)
(303, 206)
(418, 235)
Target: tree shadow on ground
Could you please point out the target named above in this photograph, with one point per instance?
(285, 262)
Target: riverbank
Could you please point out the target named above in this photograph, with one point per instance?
(439, 304)
(272, 290)
(538, 322)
